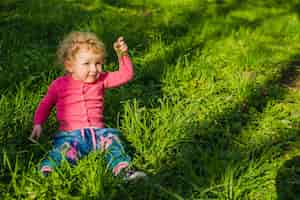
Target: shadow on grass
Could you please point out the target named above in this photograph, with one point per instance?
(146, 86)
(288, 180)
(215, 138)
(211, 133)
(29, 36)
(211, 146)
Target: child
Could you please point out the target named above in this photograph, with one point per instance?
(78, 97)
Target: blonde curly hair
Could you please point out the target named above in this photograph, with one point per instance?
(75, 40)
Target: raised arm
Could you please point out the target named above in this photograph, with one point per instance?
(122, 76)
(125, 72)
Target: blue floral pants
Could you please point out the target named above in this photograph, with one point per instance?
(73, 145)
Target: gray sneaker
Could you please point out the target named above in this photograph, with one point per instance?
(132, 175)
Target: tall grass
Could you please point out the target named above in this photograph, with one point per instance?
(206, 116)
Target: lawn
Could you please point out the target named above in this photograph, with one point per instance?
(213, 111)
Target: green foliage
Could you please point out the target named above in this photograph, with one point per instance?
(206, 116)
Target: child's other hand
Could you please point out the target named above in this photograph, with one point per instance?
(120, 47)
(36, 133)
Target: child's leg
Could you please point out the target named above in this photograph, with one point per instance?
(65, 147)
(53, 159)
(108, 141)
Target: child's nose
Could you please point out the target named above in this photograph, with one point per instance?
(93, 68)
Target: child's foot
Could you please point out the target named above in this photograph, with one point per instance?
(132, 175)
(46, 170)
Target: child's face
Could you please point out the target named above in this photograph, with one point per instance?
(85, 65)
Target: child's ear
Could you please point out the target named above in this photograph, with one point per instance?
(68, 65)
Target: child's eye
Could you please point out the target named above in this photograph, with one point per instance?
(86, 63)
(98, 63)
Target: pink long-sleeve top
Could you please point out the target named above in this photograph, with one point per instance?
(78, 104)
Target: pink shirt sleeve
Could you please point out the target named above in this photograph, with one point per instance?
(120, 77)
(49, 100)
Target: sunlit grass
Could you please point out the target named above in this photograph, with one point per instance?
(205, 116)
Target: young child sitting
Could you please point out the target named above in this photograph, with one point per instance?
(78, 98)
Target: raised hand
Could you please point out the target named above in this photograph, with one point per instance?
(120, 47)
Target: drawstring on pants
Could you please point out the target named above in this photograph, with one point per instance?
(93, 134)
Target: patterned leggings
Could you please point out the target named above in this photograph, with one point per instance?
(73, 145)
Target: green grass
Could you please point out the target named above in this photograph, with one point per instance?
(206, 116)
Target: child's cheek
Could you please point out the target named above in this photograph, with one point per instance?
(99, 68)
